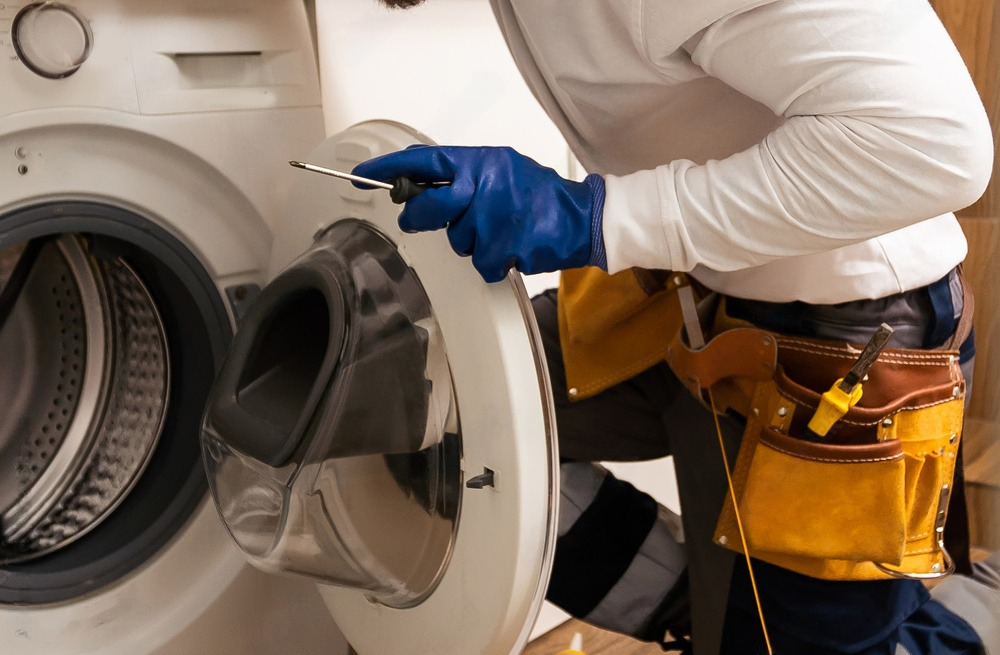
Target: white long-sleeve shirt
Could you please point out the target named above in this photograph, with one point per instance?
(777, 149)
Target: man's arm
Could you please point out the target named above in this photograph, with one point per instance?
(884, 129)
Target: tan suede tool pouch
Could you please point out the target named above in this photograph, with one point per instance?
(866, 499)
(612, 327)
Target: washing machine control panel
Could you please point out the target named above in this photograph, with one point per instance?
(51, 38)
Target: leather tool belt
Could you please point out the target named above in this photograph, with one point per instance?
(869, 500)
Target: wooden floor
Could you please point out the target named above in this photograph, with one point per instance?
(595, 642)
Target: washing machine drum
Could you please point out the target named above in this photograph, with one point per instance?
(87, 373)
(383, 425)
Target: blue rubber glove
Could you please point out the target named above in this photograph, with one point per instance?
(501, 208)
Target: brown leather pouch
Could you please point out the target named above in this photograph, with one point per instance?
(868, 501)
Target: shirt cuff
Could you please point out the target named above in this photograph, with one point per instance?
(639, 221)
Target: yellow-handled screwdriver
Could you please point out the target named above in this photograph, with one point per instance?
(846, 392)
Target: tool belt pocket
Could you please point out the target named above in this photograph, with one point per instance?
(868, 500)
(810, 500)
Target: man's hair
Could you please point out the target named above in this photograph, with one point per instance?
(401, 4)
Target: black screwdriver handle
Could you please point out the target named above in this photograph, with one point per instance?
(403, 188)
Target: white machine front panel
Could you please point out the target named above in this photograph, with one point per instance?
(154, 121)
(164, 57)
(104, 80)
(262, 59)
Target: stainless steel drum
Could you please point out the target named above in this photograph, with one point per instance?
(84, 378)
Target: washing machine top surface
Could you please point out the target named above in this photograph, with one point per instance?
(383, 424)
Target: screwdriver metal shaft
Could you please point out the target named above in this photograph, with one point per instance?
(401, 189)
(341, 175)
(867, 358)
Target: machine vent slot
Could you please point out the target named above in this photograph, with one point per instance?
(228, 70)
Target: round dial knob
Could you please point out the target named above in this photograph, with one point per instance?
(52, 39)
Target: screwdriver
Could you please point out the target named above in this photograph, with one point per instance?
(846, 392)
(401, 189)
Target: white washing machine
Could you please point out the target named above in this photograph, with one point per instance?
(142, 166)
(143, 171)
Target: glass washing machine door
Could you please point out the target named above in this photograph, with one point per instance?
(383, 425)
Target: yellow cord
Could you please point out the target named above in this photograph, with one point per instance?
(739, 524)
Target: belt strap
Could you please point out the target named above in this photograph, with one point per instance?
(964, 327)
(740, 352)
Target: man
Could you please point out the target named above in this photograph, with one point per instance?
(801, 159)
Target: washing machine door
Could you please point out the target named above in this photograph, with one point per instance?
(383, 425)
